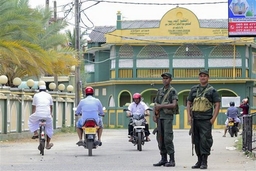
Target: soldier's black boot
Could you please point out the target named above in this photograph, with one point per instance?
(171, 163)
(204, 162)
(162, 161)
(198, 163)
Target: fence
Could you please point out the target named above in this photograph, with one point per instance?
(16, 107)
(249, 133)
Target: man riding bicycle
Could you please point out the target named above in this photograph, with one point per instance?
(42, 109)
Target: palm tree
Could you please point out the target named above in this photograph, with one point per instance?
(26, 46)
(55, 43)
(18, 24)
(72, 38)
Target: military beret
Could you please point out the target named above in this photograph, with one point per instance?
(166, 74)
(204, 71)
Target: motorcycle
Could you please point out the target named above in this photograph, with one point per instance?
(232, 127)
(90, 129)
(138, 122)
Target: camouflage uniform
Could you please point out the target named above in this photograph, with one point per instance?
(165, 123)
(202, 125)
(165, 126)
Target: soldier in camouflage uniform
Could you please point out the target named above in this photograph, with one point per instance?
(164, 114)
(201, 100)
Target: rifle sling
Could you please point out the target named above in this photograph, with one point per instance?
(165, 96)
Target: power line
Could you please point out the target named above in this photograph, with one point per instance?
(88, 20)
(71, 5)
(89, 6)
(162, 4)
(61, 6)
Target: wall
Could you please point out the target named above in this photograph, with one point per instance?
(16, 107)
(116, 118)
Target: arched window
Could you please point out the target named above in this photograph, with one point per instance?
(226, 51)
(111, 102)
(221, 61)
(152, 51)
(188, 51)
(126, 51)
(125, 97)
(152, 61)
(186, 61)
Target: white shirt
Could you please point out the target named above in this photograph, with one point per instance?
(42, 101)
(138, 108)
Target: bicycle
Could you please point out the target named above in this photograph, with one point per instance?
(42, 135)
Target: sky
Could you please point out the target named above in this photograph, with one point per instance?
(104, 14)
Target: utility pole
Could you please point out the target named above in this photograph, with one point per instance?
(47, 8)
(55, 19)
(47, 4)
(77, 47)
(55, 10)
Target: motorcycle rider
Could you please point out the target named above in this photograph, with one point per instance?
(90, 108)
(137, 107)
(232, 113)
(42, 108)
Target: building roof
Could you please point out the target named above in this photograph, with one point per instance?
(97, 34)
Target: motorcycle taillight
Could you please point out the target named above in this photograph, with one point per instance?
(90, 123)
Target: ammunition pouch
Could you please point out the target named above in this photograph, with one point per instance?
(201, 104)
(171, 111)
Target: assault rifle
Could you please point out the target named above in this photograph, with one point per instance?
(191, 133)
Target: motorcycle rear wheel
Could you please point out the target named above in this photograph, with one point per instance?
(235, 130)
(230, 130)
(89, 147)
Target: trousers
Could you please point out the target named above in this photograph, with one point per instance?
(203, 137)
(165, 136)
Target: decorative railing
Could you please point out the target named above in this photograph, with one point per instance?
(150, 73)
(185, 73)
(125, 73)
(181, 73)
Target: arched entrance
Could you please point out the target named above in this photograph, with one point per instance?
(149, 95)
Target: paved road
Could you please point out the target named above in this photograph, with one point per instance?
(117, 154)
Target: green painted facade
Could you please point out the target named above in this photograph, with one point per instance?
(119, 70)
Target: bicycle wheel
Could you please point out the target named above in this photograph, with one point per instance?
(42, 140)
(42, 146)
